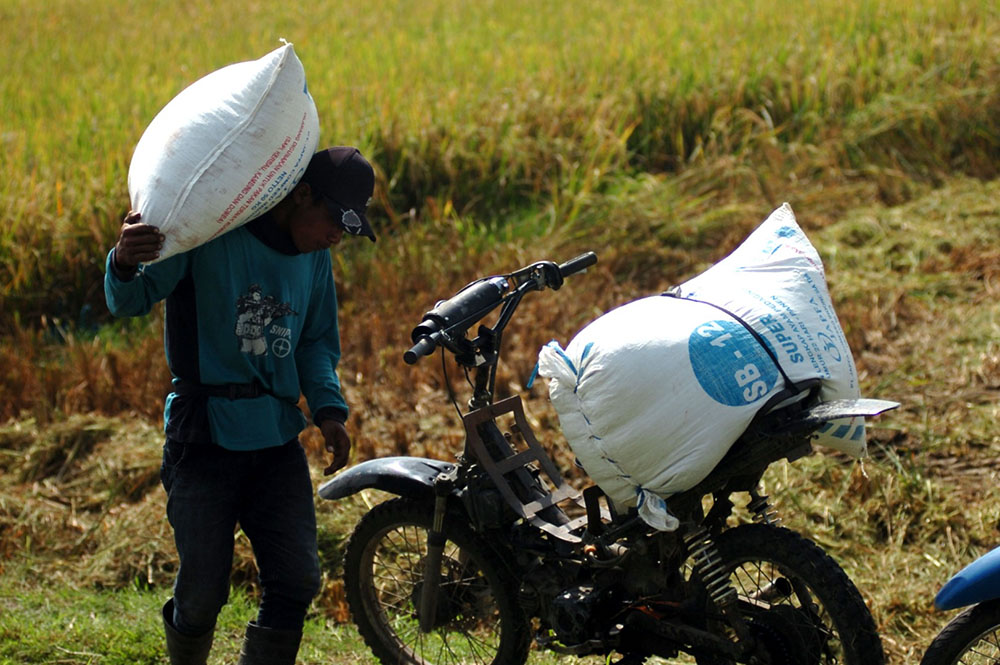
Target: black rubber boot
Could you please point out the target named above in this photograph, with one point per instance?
(184, 649)
(269, 646)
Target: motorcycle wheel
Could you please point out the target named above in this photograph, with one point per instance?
(971, 637)
(799, 605)
(478, 617)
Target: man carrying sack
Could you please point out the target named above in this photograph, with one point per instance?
(250, 325)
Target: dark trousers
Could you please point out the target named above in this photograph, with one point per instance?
(269, 494)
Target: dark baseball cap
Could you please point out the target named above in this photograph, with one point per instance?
(346, 181)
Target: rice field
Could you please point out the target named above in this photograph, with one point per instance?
(657, 134)
(497, 113)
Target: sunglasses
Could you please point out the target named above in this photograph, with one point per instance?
(348, 217)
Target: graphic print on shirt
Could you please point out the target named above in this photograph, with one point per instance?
(254, 312)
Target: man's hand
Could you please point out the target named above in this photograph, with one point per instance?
(137, 243)
(338, 442)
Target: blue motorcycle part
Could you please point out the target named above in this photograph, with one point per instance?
(977, 582)
(403, 476)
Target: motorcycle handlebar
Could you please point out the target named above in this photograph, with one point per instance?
(424, 347)
(473, 303)
(578, 264)
(463, 309)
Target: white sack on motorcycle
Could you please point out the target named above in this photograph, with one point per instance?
(652, 394)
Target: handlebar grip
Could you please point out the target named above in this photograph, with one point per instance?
(424, 347)
(581, 262)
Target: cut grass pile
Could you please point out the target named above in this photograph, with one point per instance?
(80, 501)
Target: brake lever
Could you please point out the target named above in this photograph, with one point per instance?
(540, 275)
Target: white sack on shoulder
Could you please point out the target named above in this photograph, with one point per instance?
(225, 150)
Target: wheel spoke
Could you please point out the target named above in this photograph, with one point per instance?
(795, 600)
(470, 618)
(984, 652)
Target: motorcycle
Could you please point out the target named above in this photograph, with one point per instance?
(475, 559)
(974, 635)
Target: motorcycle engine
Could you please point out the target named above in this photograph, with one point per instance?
(573, 614)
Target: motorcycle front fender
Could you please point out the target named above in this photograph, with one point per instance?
(977, 582)
(403, 476)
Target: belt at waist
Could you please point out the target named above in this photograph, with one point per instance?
(229, 390)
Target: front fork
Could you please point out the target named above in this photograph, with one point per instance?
(427, 610)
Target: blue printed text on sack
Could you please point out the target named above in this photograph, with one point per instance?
(730, 364)
(787, 344)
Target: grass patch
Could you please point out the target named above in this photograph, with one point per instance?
(72, 626)
(41, 624)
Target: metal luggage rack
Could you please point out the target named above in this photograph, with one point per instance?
(531, 458)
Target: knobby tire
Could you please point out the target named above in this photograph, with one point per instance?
(971, 637)
(755, 555)
(479, 621)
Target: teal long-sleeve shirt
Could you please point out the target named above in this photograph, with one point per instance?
(246, 306)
